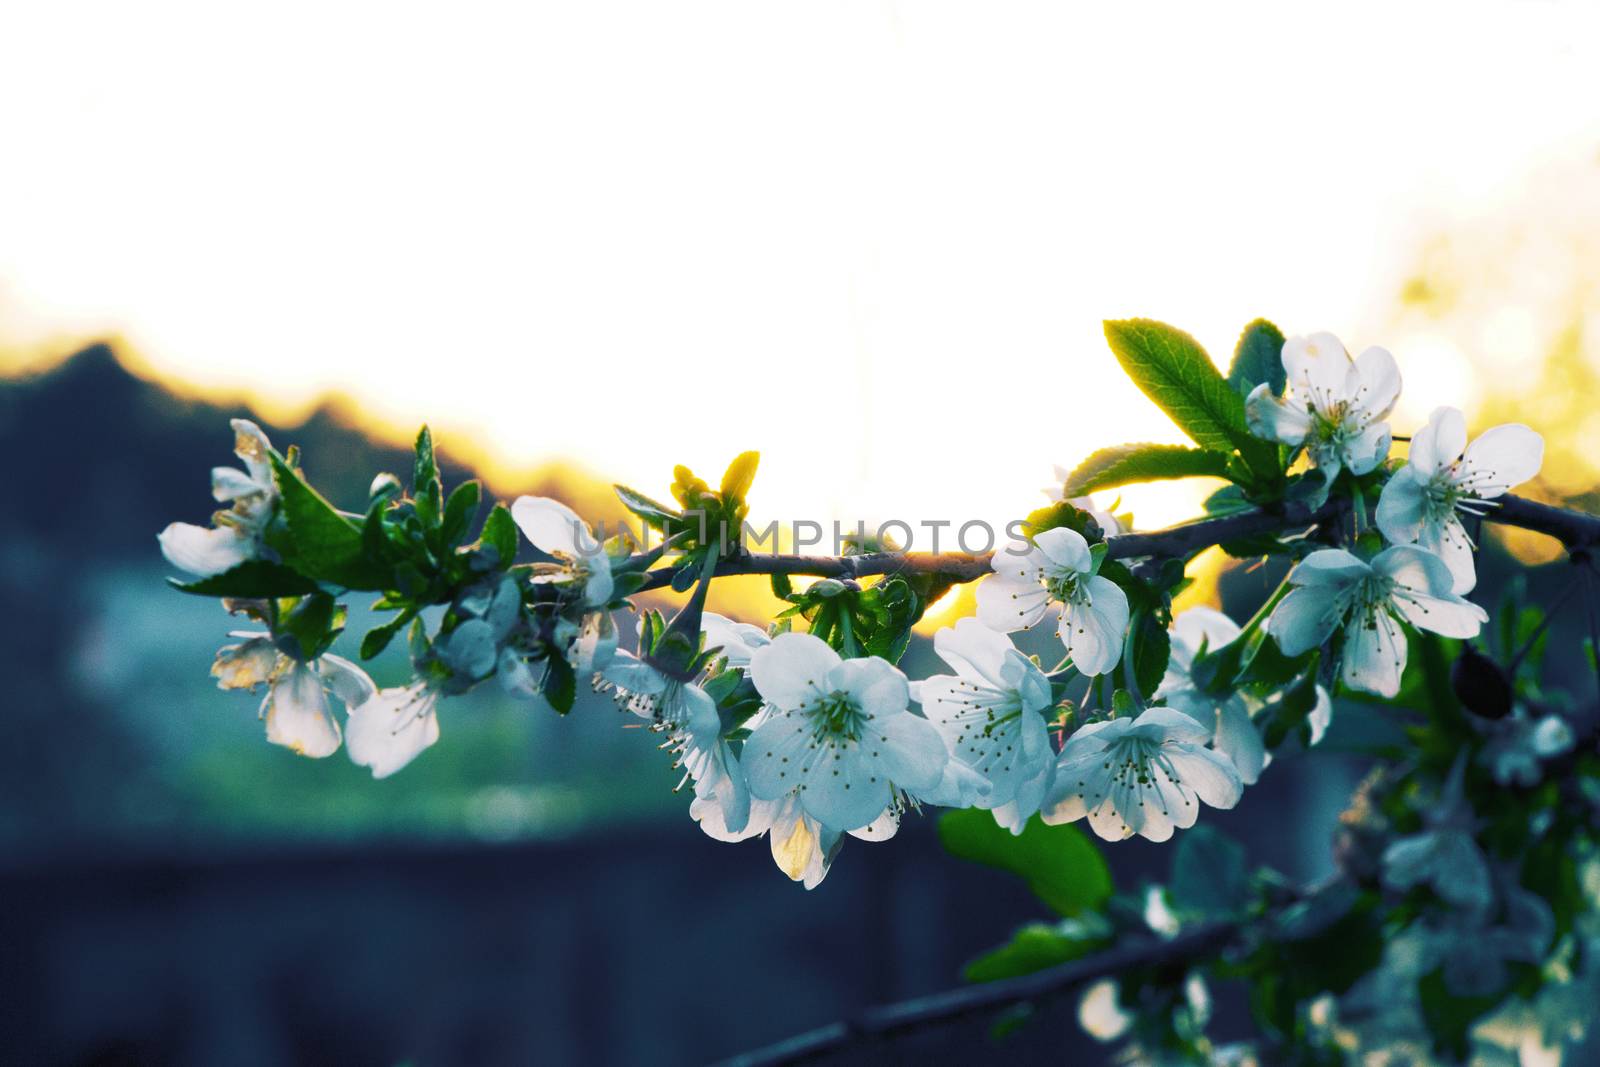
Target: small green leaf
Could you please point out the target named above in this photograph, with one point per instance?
(654, 514)
(1032, 948)
(1060, 864)
(425, 469)
(1130, 464)
(1258, 358)
(459, 511)
(1061, 513)
(322, 543)
(377, 639)
(782, 587)
(254, 578)
(1172, 369)
(1151, 646)
(500, 534)
(740, 474)
(310, 626)
(560, 683)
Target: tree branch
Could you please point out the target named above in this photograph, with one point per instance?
(889, 1019)
(1574, 529)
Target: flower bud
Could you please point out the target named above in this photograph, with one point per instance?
(1480, 684)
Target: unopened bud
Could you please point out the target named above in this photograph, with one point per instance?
(1480, 684)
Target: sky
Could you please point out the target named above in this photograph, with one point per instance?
(875, 241)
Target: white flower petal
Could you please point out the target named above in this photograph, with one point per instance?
(1400, 506)
(1007, 604)
(1093, 633)
(1317, 368)
(245, 665)
(1329, 567)
(345, 680)
(1276, 419)
(1380, 384)
(1203, 626)
(1065, 549)
(1370, 448)
(1502, 457)
(205, 550)
(973, 649)
(391, 729)
(553, 528)
(738, 640)
(791, 670)
(1304, 619)
(1439, 443)
(298, 715)
(875, 686)
(252, 446)
(1448, 540)
(1374, 655)
(1239, 740)
(774, 753)
(1211, 775)
(840, 791)
(912, 754)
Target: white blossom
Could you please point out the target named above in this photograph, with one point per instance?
(839, 736)
(1057, 568)
(1144, 776)
(1445, 477)
(392, 727)
(1335, 406)
(1227, 717)
(737, 640)
(557, 530)
(1336, 590)
(990, 713)
(235, 535)
(296, 709)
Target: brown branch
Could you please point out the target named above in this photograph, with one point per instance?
(887, 1020)
(1574, 529)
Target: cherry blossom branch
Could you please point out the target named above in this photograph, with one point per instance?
(887, 1020)
(1574, 529)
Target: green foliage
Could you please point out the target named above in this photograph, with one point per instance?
(310, 627)
(1037, 946)
(1062, 866)
(1059, 514)
(252, 578)
(316, 539)
(1147, 650)
(1258, 358)
(1110, 468)
(873, 620)
(500, 535)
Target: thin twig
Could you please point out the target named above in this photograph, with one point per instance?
(920, 1012)
(1574, 529)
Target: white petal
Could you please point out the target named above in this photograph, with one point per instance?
(1065, 549)
(1380, 383)
(1304, 619)
(791, 670)
(1367, 450)
(1317, 367)
(390, 730)
(1276, 419)
(345, 680)
(205, 550)
(553, 528)
(1203, 625)
(1239, 740)
(1501, 458)
(1448, 540)
(738, 640)
(1447, 616)
(245, 665)
(231, 483)
(1321, 715)
(1007, 604)
(1093, 633)
(882, 828)
(1439, 443)
(1329, 567)
(1374, 655)
(1400, 511)
(912, 754)
(876, 686)
(973, 649)
(722, 798)
(1169, 724)
(1211, 775)
(298, 716)
(840, 791)
(774, 754)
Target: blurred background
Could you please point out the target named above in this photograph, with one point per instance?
(873, 240)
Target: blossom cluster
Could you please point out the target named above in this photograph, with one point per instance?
(782, 735)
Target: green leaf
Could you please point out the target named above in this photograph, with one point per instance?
(459, 511)
(310, 627)
(426, 491)
(1258, 358)
(1151, 646)
(654, 514)
(1032, 948)
(782, 587)
(500, 534)
(1062, 866)
(1130, 464)
(1172, 369)
(740, 474)
(377, 639)
(252, 578)
(1209, 875)
(1062, 513)
(560, 683)
(322, 543)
